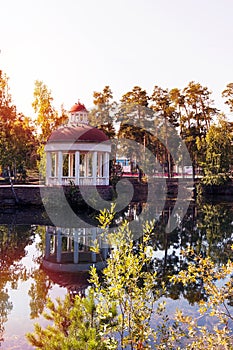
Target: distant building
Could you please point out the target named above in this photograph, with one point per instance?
(77, 152)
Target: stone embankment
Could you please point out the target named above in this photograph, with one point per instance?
(27, 195)
(131, 189)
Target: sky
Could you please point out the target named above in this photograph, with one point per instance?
(77, 47)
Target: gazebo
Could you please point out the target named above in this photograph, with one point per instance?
(77, 152)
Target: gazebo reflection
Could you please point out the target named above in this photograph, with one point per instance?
(68, 255)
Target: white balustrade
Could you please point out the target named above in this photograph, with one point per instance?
(83, 181)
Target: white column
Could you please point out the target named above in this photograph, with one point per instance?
(106, 168)
(47, 244)
(60, 167)
(77, 161)
(59, 245)
(70, 164)
(76, 250)
(69, 243)
(104, 246)
(100, 158)
(48, 167)
(93, 254)
(108, 160)
(104, 250)
(54, 242)
(94, 167)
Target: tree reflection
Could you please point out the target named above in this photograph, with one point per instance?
(5, 307)
(38, 292)
(41, 284)
(13, 240)
(215, 225)
(207, 228)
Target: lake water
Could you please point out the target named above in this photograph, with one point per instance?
(24, 285)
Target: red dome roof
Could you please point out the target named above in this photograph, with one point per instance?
(76, 134)
(78, 107)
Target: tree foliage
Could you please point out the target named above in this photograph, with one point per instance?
(47, 117)
(216, 304)
(227, 94)
(166, 120)
(46, 121)
(196, 111)
(217, 149)
(102, 115)
(17, 139)
(75, 326)
(134, 117)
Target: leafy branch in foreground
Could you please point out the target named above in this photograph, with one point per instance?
(218, 288)
(75, 325)
(128, 282)
(121, 309)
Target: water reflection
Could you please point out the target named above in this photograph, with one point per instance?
(68, 255)
(69, 249)
(207, 228)
(13, 240)
(41, 261)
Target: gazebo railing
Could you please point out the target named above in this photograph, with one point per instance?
(86, 181)
(66, 181)
(89, 181)
(83, 181)
(101, 181)
(53, 181)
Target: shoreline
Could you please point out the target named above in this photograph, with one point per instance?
(26, 195)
